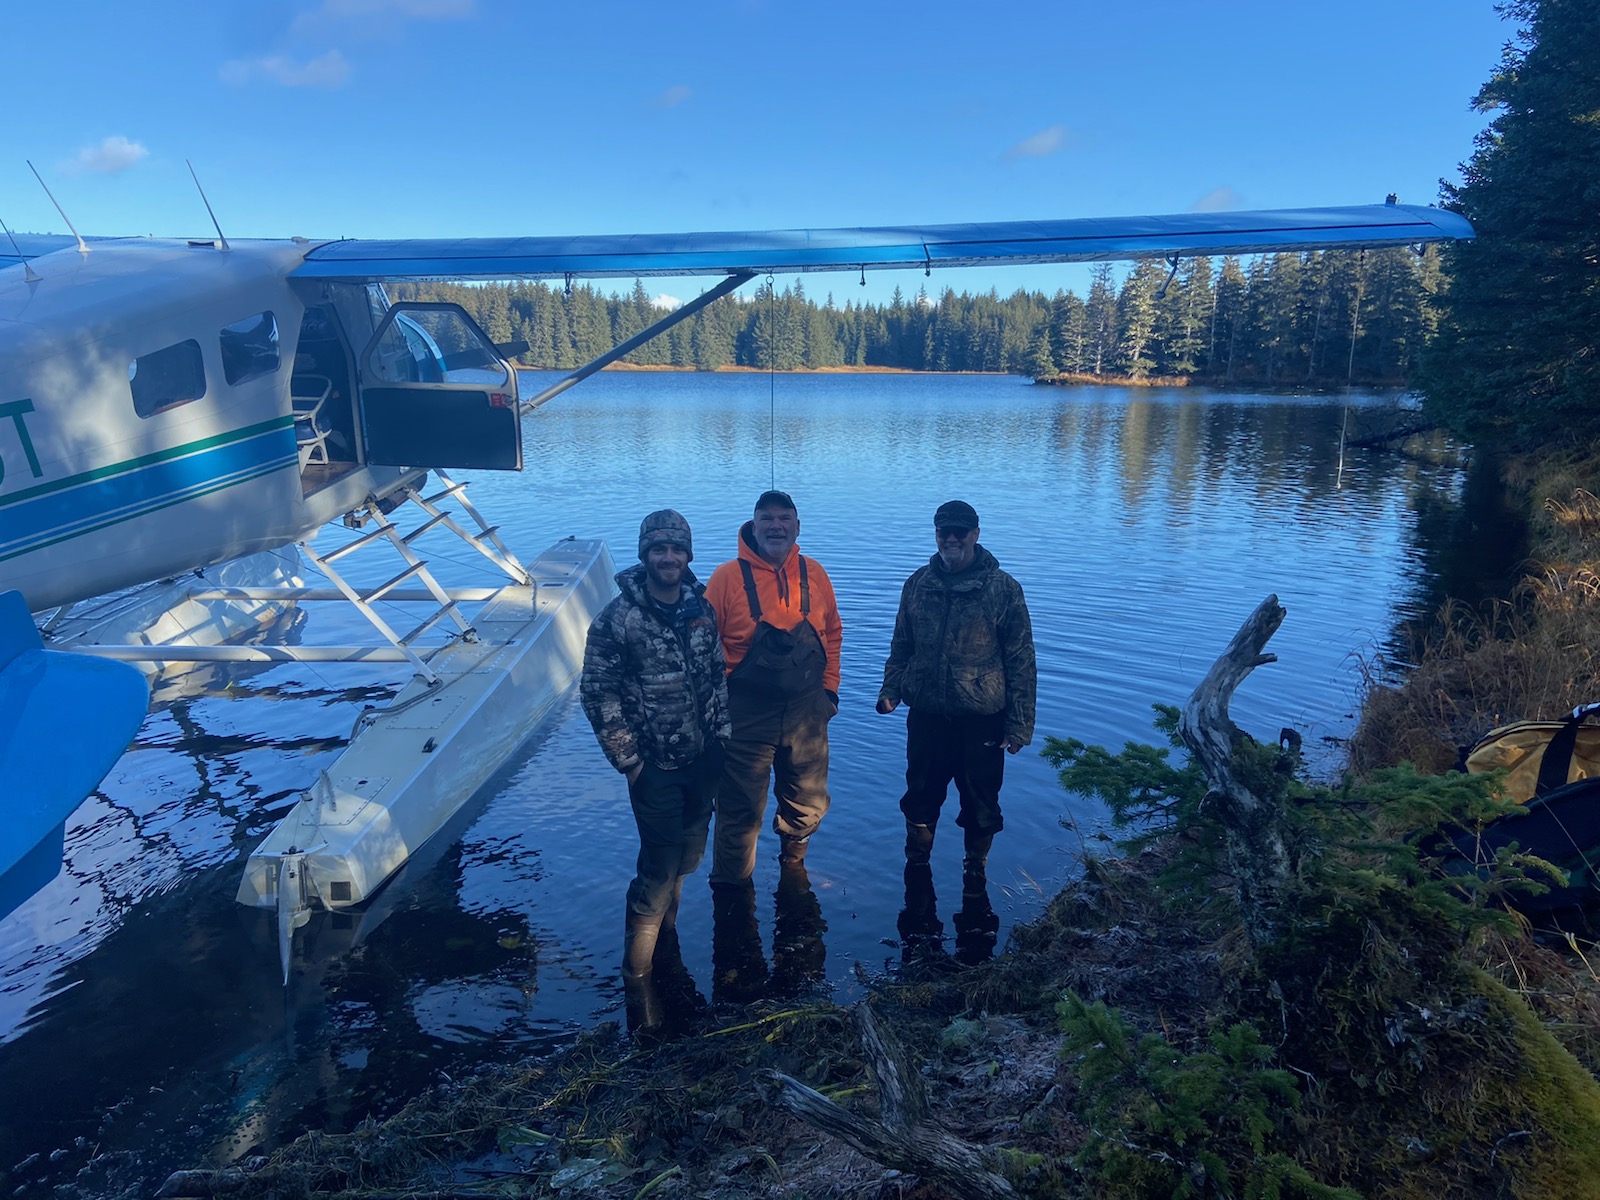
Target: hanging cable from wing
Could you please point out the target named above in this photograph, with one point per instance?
(772, 387)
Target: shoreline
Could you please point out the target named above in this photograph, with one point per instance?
(1244, 387)
(731, 369)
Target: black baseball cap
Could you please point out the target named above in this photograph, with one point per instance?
(956, 512)
(775, 499)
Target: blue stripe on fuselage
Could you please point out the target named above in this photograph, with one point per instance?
(57, 516)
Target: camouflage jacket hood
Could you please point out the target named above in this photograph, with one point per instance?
(963, 645)
(654, 684)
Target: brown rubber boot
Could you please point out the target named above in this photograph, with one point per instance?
(639, 938)
(792, 850)
(667, 946)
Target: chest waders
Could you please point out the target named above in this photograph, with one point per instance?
(781, 663)
(780, 739)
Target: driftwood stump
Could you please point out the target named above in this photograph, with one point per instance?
(904, 1137)
(1259, 856)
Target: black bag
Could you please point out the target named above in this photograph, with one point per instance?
(781, 662)
(1563, 828)
(1549, 765)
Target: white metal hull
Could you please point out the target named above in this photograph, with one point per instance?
(166, 613)
(413, 764)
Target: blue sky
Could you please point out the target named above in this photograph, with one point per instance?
(394, 118)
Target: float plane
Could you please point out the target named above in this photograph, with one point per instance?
(179, 418)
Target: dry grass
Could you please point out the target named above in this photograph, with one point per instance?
(1536, 656)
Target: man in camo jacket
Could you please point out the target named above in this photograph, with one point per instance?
(962, 658)
(654, 688)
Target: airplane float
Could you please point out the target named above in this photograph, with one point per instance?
(179, 418)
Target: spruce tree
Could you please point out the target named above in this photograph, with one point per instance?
(1044, 363)
(1102, 319)
(1517, 357)
(1137, 310)
(1228, 318)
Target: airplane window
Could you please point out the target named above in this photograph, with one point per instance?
(167, 378)
(250, 348)
(458, 352)
(434, 343)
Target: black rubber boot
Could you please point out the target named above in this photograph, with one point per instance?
(642, 1003)
(919, 844)
(921, 931)
(974, 866)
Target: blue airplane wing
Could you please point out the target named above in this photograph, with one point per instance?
(885, 247)
(64, 721)
(25, 246)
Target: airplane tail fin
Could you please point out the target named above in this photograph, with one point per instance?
(65, 719)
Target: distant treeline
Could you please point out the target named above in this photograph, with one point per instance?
(1281, 320)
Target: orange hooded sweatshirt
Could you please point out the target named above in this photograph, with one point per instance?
(778, 589)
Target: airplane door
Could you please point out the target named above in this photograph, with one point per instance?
(436, 393)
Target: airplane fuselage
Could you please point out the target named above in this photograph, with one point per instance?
(149, 393)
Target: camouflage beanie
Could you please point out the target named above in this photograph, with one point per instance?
(665, 527)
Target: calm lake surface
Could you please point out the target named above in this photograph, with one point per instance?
(142, 1022)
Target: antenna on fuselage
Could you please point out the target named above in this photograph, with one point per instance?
(29, 273)
(222, 242)
(83, 246)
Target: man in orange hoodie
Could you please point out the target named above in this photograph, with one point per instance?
(781, 634)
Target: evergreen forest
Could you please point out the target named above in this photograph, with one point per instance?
(1318, 319)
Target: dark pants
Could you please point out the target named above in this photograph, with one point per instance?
(969, 750)
(773, 739)
(673, 812)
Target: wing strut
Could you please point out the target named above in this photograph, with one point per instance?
(733, 281)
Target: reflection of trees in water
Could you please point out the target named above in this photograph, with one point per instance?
(1174, 451)
(1469, 543)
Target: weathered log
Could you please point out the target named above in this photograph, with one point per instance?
(902, 1101)
(1259, 856)
(904, 1138)
(202, 1183)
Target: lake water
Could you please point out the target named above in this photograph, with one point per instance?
(142, 1023)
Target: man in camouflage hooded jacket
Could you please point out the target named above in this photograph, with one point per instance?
(654, 688)
(962, 658)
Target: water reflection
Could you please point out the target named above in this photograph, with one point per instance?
(922, 936)
(799, 956)
(740, 973)
(738, 966)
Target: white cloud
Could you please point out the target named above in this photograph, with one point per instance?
(109, 157)
(330, 70)
(1045, 142)
(666, 301)
(672, 97)
(1222, 199)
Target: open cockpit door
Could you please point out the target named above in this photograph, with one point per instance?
(436, 393)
